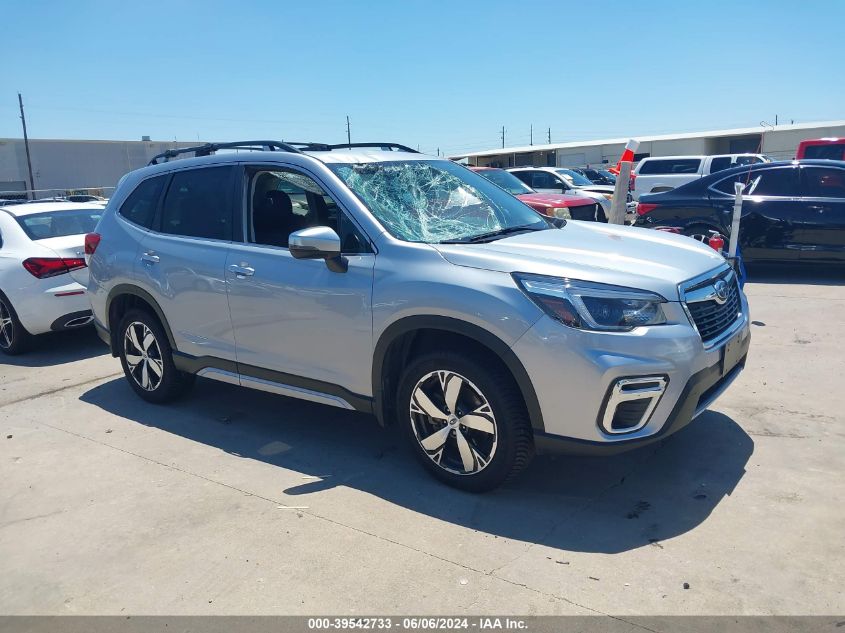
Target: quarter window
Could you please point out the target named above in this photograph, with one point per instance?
(780, 182)
(199, 204)
(139, 208)
(720, 163)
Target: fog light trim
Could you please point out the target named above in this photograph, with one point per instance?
(627, 389)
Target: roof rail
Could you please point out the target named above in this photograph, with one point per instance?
(325, 147)
(210, 148)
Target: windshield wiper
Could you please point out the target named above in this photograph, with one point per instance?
(484, 237)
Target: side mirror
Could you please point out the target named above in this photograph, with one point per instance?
(318, 242)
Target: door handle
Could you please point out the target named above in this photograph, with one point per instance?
(242, 272)
(150, 258)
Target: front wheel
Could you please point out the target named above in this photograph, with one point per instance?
(147, 359)
(465, 420)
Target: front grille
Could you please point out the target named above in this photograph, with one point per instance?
(712, 319)
(583, 212)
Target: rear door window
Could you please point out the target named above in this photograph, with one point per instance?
(140, 207)
(823, 182)
(198, 203)
(671, 166)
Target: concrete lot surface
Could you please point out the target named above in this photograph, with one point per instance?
(238, 502)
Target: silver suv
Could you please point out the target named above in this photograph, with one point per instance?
(382, 280)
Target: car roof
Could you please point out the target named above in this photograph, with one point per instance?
(355, 155)
(335, 156)
(19, 210)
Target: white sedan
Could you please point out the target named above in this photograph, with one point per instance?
(43, 275)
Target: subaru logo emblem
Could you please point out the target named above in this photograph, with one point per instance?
(721, 290)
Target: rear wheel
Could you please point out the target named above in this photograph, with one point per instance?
(147, 359)
(465, 420)
(14, 339)
(699, 232)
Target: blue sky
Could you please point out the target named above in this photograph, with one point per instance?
(433, 73)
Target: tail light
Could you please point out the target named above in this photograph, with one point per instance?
(632, 181)
(645, 207)
(44, 267)
(92, 241)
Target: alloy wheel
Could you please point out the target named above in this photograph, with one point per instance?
(453, 422)
(143, 356)
(7, 326)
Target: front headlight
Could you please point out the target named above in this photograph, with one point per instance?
(562, 213)
(591, 306)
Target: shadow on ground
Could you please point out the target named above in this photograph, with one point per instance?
(794, 274)
(58, 348)
(590, 504)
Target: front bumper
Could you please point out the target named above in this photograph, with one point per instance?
(574, 371)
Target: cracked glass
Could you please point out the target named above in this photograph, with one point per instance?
(435, 201)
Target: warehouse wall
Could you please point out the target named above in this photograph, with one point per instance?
(62, 164)
(779, 143)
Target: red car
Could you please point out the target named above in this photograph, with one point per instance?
(829, 148)
(552, 205)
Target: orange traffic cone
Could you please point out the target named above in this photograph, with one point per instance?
(628, 155)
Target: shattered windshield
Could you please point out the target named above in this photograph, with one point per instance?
(435, 200)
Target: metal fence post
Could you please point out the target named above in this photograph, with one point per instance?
(738, 187)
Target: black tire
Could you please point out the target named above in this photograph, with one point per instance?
(145, 381)
(14, 338)
(698, 231)
(481, 382)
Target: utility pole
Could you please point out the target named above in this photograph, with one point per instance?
(776, 119)
(348, 134)
(26, 145)
(531, 136)
(550, 136)
(503, 136)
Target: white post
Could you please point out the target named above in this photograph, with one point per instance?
(620, 194)
(738, 187)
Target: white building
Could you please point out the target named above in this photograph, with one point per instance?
(61, 167)
(779, 142)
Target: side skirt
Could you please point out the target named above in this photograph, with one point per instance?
(273, 382)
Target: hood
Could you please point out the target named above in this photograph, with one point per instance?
(69, 247)
(554, 199)
(590, 251)
(597, 188)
